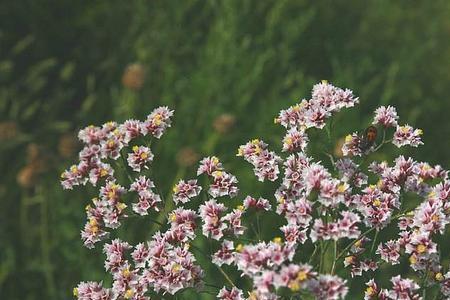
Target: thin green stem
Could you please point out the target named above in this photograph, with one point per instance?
(312, 255)
(334, 258)
(208, 257)
(374, 242)
(361, 236)
(344, 251)
(258, 225)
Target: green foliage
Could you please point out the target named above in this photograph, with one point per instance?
(61, 65)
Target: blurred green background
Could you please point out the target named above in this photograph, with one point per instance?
(226, 67)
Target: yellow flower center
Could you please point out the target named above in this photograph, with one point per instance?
(110, 143)
(157, 119)
(370, 291)
(128, 294)
(111, 194)
(421, 248)
(302, 276)
(349, 259)
(348, 138)
(435, 218)
(294, 286)
(175, 188)
(288, 141)
(93, 222)
(252, 296)
(144, 156)
(172, 217)
(439, 276)
(176, 268)
(239, 248)
(376, 202)
(412, 259)
(217, 173)
(342, 188)
(121, 206)
(404, 129)
(126, 272)
(277, 240)
(103, 172)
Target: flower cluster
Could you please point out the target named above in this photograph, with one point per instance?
(331, 213)
(265, 162)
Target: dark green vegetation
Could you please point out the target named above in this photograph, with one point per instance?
(61, 66)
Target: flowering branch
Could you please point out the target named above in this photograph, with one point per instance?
(319, 208)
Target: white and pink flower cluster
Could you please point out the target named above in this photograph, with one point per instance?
(331, 213)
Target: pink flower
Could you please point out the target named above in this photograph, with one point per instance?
(294, 276)
(294, 167)
(233, 294)
(209, 165)
(132, 130)
(182, 225)
(372, 290)
(115, 255)
(406, 135)
(146, 197)
(225, 254)
(352, 145)
(183, 191)
(91, 135)
(386, 116)
(140, 156)
(293, 116)
(295, 140)
(101, 171)
(74, 176)
(259, 204)
(140, 255)
(112, 144)
(403, 289)
(172, 267)
(93, 233)
(157, 122)
(92, 290)
(252, 259)
(265, 162)
(390, 252)
(328, 287)
(224, 184)
(112, 192)
(293, 234)
(213, 226)
(235, 223)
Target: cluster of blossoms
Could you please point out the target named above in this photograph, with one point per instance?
(265, 162)
(332, 213)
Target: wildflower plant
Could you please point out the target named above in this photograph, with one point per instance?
(333, 212)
